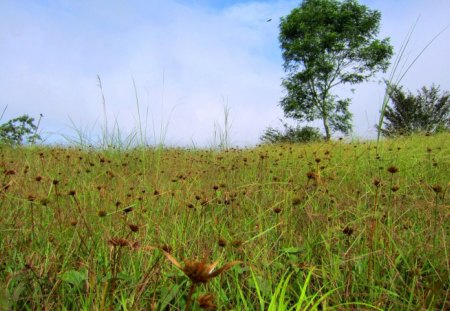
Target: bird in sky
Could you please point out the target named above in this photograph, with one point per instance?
(269, 20)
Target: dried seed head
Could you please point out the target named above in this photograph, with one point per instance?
(118, 242)
(311, 175)
(38, 178)
(128, 209)
(72, 192)
(347, 231)
(167, 248)
(222, 242)
(296, 201)
(395, 188)
(102, 213)
(437, 188)
(277, 210)
(55, 182)
(133, 227)
(227, 201)
(206, 302)
(200, 271)
(392, 169)
(376, 182)
(10, 172)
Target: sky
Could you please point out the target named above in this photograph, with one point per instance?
(182, 63)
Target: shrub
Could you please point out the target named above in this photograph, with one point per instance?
(19, 130)
(290, 134)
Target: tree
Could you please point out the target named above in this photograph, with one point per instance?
(326, 43)
(18, 130)
(429, 111)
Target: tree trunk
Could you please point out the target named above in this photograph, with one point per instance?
(326, 127)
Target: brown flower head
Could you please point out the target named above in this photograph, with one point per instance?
(296, 201)
(311, 175)
(437, 188)
(200, 271)
(10, 172)
(222, 242)
(167, 248)
(118, 242)
(392, 169)
(206, 302)
(133, 227)
(128, 209)
(348, 231)
(395, 188)
(376, 182)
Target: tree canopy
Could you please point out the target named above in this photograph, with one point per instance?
(428, 111)
(19, 130)
(326, 43)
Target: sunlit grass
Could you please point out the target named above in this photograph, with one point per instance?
(324, 225)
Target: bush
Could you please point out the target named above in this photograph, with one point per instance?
(291, 134)
(19, 130)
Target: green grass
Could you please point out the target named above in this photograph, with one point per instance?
(317, 227)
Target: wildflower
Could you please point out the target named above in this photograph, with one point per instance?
(437, 188)
(133, 227)
(311, 175)
(395, 188)
(118, 242)
(206, 302)
(348, 231)
(200, 271)
(222, 242)
(296, 201)
(128, 209)
(392, 169)
(376, 182)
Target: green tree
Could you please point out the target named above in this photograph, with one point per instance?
(19, 130)
(429, 111)
(326, 43)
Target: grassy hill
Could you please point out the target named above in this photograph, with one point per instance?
(326, 226)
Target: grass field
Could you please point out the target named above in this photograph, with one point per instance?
(323, 226)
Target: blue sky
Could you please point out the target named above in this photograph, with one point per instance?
(188, 59)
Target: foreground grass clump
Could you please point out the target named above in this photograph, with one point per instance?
(320, 226)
